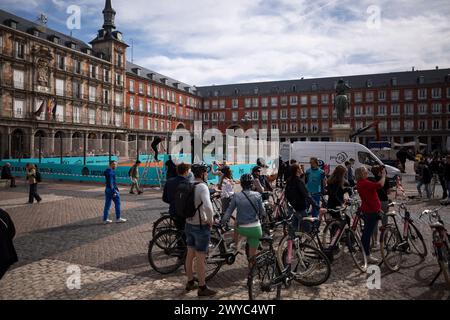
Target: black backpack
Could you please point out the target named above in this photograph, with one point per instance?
(38, 176)
(185, 200)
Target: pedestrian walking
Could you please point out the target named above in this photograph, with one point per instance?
(33, 178)
(134, 176)
(111, 194)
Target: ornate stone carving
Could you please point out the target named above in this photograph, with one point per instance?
(42, 60)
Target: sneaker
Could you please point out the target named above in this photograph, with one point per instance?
(372, 259)
(121, 220)
(107, 221)
(131, 192)
(205, 292)
(140, 192)
(191, 285)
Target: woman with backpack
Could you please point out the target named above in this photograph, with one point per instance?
(33, 177)
(250, 212)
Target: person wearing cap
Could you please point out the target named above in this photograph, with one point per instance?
(7, 175)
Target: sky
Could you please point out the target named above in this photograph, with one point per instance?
(205, 42)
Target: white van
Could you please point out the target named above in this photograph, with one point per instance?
(337, 153)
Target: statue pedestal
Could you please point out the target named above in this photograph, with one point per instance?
(341, 132)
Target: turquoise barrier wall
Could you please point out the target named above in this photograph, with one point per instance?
(94, 173)
(97, 160)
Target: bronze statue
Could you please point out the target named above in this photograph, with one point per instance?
(341, 101)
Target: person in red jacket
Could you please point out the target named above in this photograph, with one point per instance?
(370, 205)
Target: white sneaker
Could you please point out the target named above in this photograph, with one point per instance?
(121, 220)
(107, 221)
(372, 259)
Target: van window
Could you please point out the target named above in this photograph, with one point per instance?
(367, 159)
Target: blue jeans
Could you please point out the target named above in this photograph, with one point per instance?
(108, 199)
(316, 198)
(427, 188)
(370, 222)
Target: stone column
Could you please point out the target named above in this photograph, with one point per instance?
(31, 145)
(51, 141)
(341, 132)
(68, 142)
(125, 155)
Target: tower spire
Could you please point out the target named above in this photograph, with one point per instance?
(109, 15)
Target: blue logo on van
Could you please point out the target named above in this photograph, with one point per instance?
(340, 158)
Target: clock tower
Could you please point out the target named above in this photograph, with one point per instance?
(109, 45)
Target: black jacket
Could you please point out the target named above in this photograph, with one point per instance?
(171, 169)
(8, 255)
(169, 192)
(447, 172)
(336, 195)
(6, 173)
(298, 196)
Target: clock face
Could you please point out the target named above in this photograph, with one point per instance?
(119, 36)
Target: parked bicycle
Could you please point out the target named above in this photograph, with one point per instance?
(297, 261)
(441, 244)
(394, 244)
(337, 235)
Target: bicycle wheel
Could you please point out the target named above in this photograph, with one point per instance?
(390, 241)
(416, 241)
(163, 223)
(332, 252)
(214, 260)
(356, 250)
(443, 256)
(261, 280)
(167, 251)
(309, 265)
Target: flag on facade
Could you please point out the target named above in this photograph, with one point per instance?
(40, 110)
(55, 107)
(49, 106)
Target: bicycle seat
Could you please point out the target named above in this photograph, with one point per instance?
(310, 219)
(267, 239)
(391, 213)
(436, 225)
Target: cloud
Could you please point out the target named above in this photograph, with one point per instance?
(204, 42)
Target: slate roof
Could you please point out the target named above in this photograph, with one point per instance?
(380, 80)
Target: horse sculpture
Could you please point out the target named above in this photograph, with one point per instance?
(341, 101)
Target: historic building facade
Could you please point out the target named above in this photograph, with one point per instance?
(407, 105)
(61, 95)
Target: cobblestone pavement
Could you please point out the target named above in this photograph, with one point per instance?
(64, 234)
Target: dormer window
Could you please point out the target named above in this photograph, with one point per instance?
(176, 84)
(188, 89)
(256, 90)
(87, 51)
(314, 86)
(393, 81)
(369, 83)
(137, 71)
(72, 45)
(34, 32)
(294, 88)
(163, 80)
(150, 75)
(236, 91)
(12, 23)
(421, 80)
(54, 39)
